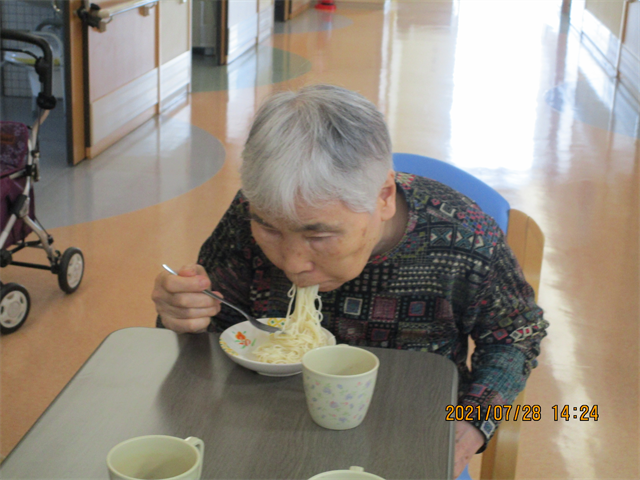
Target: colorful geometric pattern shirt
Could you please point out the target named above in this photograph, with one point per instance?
(451, 277)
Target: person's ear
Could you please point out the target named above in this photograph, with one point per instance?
(387, 197)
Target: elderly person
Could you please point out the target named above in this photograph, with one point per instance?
(402, 261)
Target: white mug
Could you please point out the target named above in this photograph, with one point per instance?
(338, 384)
(354, 473)
(158, 457)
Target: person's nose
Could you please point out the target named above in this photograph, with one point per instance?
(296, 257)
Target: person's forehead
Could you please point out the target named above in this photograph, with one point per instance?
(333, 217)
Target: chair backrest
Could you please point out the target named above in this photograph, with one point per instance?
(527, 243)
(490, 201)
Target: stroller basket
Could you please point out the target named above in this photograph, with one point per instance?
(19, 160)
(14, 150)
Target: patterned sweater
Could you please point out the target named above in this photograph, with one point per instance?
(451, 276)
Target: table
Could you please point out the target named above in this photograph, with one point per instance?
(145, 381)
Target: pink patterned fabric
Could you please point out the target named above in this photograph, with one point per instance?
(10, 190)
(14, 147)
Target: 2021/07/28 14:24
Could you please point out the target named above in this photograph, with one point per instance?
(529, 413)
(587, 413)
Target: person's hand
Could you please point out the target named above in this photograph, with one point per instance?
(468, 441)
(179, 300)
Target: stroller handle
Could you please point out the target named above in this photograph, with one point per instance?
(44, 65)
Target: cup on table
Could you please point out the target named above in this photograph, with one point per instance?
(157, 457)
(354, 473)
(338, 384)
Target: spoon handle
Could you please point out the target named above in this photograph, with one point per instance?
(222, 300)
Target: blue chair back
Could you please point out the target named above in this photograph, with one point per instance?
(490, 201)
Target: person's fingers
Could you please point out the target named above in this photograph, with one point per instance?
(468, 440)
(168, 286)
(194, 325)
(191, 270)
(165, 299)
(180, 302)
(196, 271)
(192, 300)
(462, 459)
(187, 313)
(183, 284)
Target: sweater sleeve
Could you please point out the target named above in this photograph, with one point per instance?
(227, 257)
(509, 327)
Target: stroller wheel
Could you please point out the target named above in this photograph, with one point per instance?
(71, 270)
(14, 307)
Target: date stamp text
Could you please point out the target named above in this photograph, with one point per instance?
(526, 413)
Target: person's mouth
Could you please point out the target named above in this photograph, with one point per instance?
(324, 285)
(304, 284)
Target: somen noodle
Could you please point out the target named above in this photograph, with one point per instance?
(302, 330)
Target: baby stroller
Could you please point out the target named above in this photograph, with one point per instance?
(19, 168)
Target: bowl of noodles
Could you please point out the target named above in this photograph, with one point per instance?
(240, 341)
(280, 354)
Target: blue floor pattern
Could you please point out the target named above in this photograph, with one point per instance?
(160, 160)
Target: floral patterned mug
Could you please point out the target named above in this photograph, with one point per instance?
(338, 384)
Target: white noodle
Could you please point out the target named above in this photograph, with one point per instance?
(302, 330)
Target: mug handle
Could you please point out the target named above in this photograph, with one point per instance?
(199, 444)
(196, 442)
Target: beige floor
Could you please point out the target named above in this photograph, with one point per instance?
(464, 82)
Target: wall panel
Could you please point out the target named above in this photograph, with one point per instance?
(174, 29)
(124, 52)
(608, 12)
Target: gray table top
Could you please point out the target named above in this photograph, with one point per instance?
(145, 381)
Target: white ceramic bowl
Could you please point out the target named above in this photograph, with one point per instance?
(240, 340)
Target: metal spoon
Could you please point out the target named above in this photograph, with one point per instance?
(254, 322)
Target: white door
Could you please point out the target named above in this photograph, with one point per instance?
(139, 62)
(242, 25)
(265, 19)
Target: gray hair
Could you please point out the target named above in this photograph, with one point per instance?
(318, 145)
